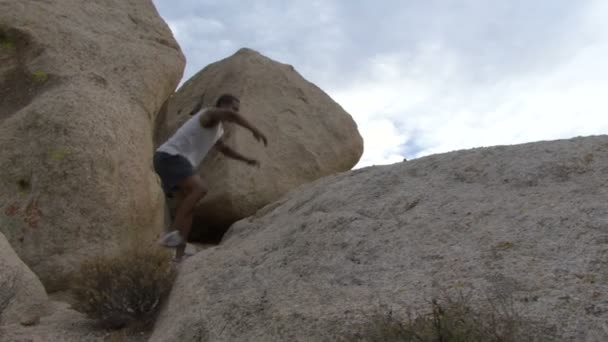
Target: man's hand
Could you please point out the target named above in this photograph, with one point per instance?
(259, 136)
(229, 152)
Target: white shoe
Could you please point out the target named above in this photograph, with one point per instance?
(171, 240)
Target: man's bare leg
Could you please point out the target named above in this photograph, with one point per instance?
(192, 190)
(177, 201)
(184, 232)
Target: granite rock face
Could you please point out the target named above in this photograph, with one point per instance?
(23, 299)
(526, 222)
(80, 86)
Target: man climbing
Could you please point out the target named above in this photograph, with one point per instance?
(175, 162)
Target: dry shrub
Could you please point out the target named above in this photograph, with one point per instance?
(455, 320)
(124, 289)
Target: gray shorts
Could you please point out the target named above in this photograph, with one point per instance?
(172, 169)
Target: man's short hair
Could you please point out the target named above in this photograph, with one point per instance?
(226, 99)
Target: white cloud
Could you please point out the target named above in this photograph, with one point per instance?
(190, 29)
(440, 102)
(383, 142)
(443, 113)
(564, 102)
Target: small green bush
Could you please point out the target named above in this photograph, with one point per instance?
(5, 41)
(6, 45)
(126, 289)
(40, 76)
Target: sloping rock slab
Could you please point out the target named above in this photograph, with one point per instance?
(526, 222)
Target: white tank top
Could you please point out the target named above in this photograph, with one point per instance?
(192, 140)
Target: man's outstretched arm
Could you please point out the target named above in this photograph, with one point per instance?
(229, 152)
(216, 115)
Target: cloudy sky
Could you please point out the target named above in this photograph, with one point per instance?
(424, 76)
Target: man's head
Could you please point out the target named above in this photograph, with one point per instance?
(228, 101)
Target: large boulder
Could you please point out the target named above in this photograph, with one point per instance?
(527, 223)
(80, 85)
(23, 299)
(309, 135)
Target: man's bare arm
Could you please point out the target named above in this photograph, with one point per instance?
(216, 115)
(229, 152)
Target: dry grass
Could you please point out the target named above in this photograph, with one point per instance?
(126, 289)
(40, 76)
(454, 320)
